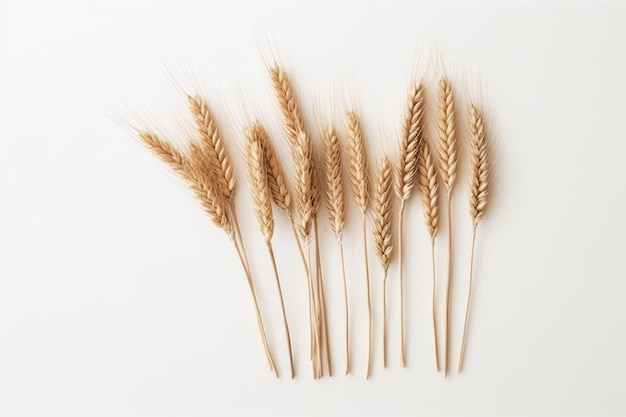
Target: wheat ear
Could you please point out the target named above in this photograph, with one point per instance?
(479, 187)
(335, 205)
(446, 123)
(261, 197)
(359, 183)
(412, 135)
(381, 207)
(429, 193)
(193, 170)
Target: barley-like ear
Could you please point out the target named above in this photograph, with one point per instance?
(213, 146)
(257, 174)
(412, 136)
(479, 181)
(287, 102)
(381, 207)
(275, 173)
(359, 179)
(303, 159)
(334, 181)
(447, 133)
(212, 203)
(429, 188)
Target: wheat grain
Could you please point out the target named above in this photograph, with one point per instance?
(411, 138)
(257, 174)
(276, 180)
(335, 203)
(287, 102)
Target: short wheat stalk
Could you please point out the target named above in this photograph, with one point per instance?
(335, 204)
(429, 193)
(359, 183)
(192, 170)
(447, 168)
(261, 196)
(479, 187)
(406, 172)
(381, 207)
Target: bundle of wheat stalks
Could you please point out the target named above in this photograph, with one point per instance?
(207, 169)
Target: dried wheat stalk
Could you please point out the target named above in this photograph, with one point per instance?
(335, 205)
(429, 193)
(479, 187)
(359, 183)
(406, 171)
(447, 169)
(381, 207)
(261, 196)
(193, 171)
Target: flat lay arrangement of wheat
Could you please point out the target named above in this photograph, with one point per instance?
(301, 188)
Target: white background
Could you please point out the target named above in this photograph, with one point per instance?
(118, 297)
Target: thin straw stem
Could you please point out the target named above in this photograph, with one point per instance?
(400, 239)
(467, 303)
(345, 304)
(322, 299)
(282, 307)
(433, 305)
(385, 320)
(369, 299)
(446, 351)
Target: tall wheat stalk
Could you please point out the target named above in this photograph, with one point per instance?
(306, 196)
(194, 170)
(381, 207)
(359, 183)
(261, 196)
(335, 204)
(429, 193)
(406, 172)
(447, 169)
(479, 187)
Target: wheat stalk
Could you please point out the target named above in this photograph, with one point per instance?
(335, 205)
(447, 169)
(429, 193)
(479, 187)
(381, 207)
(262, 200)
(212, 201)
(359, 183)
(406, 171)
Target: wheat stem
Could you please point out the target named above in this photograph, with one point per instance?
(433, 305)
(369, 298)
(400, 251)
(345, 303)
(282, 307)
(385, 321)
(322, 300)
(446, 351)
(467, 303)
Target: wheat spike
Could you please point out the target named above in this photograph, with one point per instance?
(261, 197)
(479, 187)
(359, 179)
(211, 202)
(213, 146)
(429, 193)
(429, 188)
(287, 102)
(447, 133)
(381, 207)
(412, 136)
(479, 180)
(447, 169)
(333, 175)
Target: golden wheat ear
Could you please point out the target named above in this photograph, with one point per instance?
(429, 193)
(406, 172)
(448, 158)
(479, 187)
(381, 207)
(359, 183)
